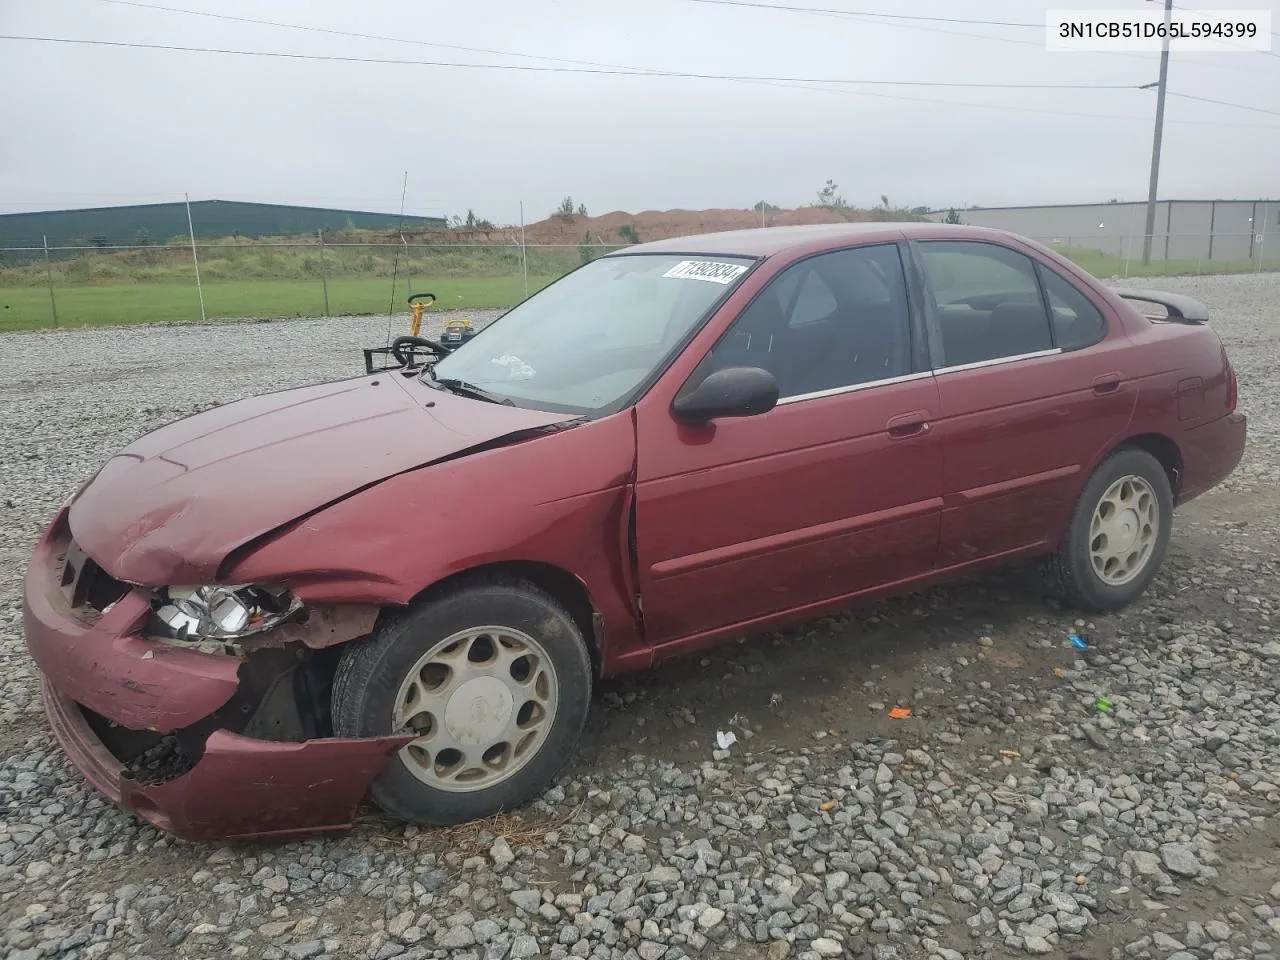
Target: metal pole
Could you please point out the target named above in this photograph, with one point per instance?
(1158, 137)
(395, 268)
(524, 256)
(195, 256)
(48, 275)
(1128, 240)
(324, 271)
(1262, 238)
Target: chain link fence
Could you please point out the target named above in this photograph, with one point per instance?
(105, 284)
(102, 284)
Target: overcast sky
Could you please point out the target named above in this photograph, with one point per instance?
(87, 126)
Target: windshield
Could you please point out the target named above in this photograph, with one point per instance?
(586, 342)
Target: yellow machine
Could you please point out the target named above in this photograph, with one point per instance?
(456, 332)
(418, 303)
(413, 350)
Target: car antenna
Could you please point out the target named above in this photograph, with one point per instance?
(395, 269)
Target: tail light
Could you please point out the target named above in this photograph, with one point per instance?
(1233, 388)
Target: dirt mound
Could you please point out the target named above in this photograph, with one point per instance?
(620, 227)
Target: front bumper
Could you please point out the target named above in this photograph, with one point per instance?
(239, 786)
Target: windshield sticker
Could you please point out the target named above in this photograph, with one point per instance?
(706, 270)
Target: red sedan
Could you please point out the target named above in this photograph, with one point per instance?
(406, 583)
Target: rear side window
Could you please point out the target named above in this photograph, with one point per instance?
(988, 298)
(1076, 321)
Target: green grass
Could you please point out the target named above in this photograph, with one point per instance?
(1102, 264)
(28, 308)
(258, 279)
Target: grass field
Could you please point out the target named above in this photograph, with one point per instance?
(28, 307)
(259, 280)
(1109, 265)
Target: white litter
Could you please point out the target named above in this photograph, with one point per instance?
(725, 740)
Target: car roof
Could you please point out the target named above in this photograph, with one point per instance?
(769, 241)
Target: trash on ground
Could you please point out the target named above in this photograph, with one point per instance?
(1080, 641)
(899, 713)
(827, 806)
(725, 740)
(1103, 705)
(1010, 753)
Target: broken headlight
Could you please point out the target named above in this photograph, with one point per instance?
(219, 612)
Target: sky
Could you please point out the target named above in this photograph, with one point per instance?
(104, 125)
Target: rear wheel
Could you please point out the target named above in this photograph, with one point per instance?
(495, 682)
(1117, 536)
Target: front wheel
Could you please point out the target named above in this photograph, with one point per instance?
(495, 681)
(1117, 536)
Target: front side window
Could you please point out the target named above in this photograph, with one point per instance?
(586, 342)
(835, 320)
(988, 299)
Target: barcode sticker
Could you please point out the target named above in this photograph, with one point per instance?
(706, 270)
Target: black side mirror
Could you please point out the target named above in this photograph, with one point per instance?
(731, 392)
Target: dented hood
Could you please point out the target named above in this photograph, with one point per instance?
(173, 504)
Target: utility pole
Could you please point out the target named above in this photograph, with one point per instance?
(1159, 136)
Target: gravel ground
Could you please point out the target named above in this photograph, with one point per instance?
(1008, 816)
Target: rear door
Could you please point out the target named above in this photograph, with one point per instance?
(835, 491)
(1028, 402)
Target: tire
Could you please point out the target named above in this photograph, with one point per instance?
(1085, 579)
(496, 635)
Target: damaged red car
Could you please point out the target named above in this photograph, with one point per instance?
(406, 583)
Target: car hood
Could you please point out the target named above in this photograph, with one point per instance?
(172, 505)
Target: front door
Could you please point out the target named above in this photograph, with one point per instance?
(835, 491)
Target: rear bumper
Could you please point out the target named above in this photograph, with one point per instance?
(1210, 452)
(239, 786)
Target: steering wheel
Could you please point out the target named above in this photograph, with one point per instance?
(404, 349)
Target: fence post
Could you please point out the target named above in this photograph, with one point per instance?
(48, 275)
(324, 271)
(195, 257)
(1262, 239)
(524, 257)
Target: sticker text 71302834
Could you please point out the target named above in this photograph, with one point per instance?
(706, 270)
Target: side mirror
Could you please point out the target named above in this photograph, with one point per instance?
(731, 392)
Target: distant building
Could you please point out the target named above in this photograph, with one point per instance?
(158, 222)
(1184, 229)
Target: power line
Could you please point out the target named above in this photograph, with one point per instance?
(802, 82)
(570, 60)
(1224, 103)
(896, 20)
(528, 68)
(366, 36)
(868, 13)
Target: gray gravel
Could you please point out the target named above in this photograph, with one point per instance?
(1009, 817)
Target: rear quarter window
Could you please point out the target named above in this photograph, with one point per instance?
(1077, 323)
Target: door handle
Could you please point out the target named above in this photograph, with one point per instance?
(913, 424)
(1106, 383)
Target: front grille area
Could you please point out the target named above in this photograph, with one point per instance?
(84, 583)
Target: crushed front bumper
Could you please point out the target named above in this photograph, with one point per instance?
(240, 786)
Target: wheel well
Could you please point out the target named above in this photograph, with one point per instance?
(1164, 450)
(560, 583)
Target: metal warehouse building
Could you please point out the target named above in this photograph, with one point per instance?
(1184, 229)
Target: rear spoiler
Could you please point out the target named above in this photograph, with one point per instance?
(1181, 309)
